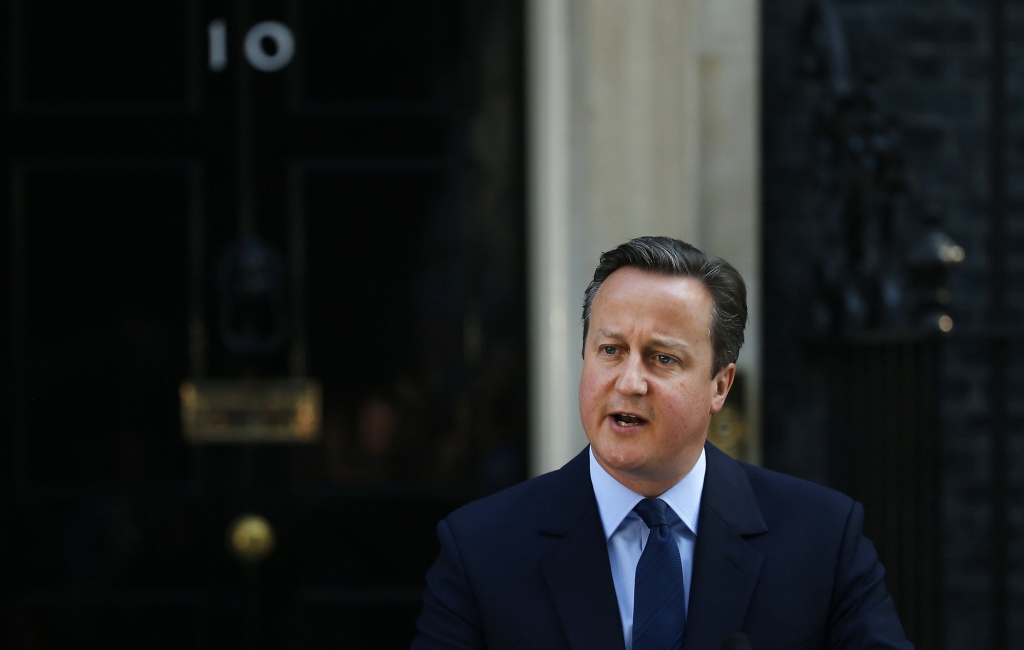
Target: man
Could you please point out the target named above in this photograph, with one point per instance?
(651, 538)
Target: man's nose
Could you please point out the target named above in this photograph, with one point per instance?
(632, 379)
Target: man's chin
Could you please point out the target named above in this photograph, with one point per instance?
(625, 461)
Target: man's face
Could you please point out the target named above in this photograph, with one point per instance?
(647, 393)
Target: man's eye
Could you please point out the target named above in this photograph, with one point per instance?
(664, 358)
(609, 349)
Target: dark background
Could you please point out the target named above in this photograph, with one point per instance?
(384, 167)
(952, 73)
(377, 183)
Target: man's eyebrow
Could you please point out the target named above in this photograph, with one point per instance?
(666, 344)
(670, 344)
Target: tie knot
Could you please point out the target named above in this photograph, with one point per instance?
(653, 511)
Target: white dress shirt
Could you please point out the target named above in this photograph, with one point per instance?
(626, 533)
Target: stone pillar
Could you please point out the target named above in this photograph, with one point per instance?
(642, 119)
(730, 170)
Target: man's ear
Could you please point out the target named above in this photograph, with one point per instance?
(723, 382)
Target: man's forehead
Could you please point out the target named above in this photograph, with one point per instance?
(649, 289)
(632, 299)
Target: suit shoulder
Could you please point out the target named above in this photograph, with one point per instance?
(510, 506)
(780, 493)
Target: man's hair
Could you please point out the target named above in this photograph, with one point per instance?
(667, 256)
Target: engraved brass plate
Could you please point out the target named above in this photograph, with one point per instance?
(245, 411)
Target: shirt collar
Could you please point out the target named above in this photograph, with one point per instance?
(615, 501)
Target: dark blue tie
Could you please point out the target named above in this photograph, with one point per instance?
(659, 597)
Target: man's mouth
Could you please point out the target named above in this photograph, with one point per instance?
(628, 420)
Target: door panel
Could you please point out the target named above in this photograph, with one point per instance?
(344, 623)
(120, 622)
(105, 55)
(383, 355)
(401, 54)
(104, 322)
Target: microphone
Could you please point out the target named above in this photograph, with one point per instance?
(736, 641)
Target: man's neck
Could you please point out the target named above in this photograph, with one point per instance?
(651, 487)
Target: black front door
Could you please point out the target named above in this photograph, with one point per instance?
(308, 191)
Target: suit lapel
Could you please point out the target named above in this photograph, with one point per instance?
(725, 565)
(578, 571)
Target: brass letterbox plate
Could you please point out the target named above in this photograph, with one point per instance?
(250, 410)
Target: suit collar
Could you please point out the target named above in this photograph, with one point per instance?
(578, 572)
(725, 566)
(568, 495)
(727, 491)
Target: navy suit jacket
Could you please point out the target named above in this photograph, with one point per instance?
(780, 559)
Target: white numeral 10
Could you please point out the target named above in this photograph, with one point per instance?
(257, 57)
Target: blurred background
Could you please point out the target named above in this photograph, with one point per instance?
(280, 273)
